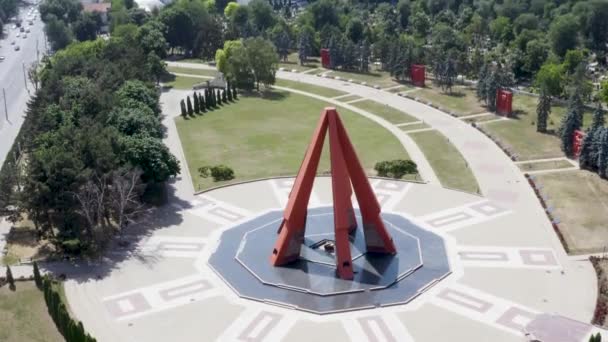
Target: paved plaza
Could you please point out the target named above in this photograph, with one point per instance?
(503, 275)
(508, 269)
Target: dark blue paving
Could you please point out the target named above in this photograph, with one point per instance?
(242, 259)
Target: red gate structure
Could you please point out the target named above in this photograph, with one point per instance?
(577, 142)
(504, 102)
(325, 58)
(417, 74)
(345, 170)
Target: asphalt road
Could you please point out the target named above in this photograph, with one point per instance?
(12, 76)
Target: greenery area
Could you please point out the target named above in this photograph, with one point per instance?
(292, 63)
(263, 139)
(349, 98)
(545, 165)
(450, 167)
(317, 90)
(580, 202)
(386, 112)
(24, 316)
(415, 126)
(191, 71)
(461, 101)
(184, 82)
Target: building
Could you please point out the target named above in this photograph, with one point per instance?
(103, 8)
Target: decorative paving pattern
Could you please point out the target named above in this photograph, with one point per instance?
(251, 321)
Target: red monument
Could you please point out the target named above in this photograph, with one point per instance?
(417, 74)
(504, 102)
(325, 58)
(345, 170)
(577, 142)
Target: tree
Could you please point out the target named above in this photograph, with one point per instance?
(563, 34)
(37, 277)
(543, 110)
(228, 93)
(85, 28)
(197, 108)
(182, 104)
(421, 23)
(354, 30)
(304, 47)
(33, 76)
(234, 93)
(155, 66)
(602, 145)
(263, 60)
(218, 97)
(201, 102)
(591, 145)
(125, 193)
(189, 106)
(152, 39)
(224, 96)
(58, 33)
(151, 156)
(403, 8)
(9, 278)
(550, 78)
(570, 124)
(595, 338)
(261, 14)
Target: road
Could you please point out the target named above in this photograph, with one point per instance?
(12, 76)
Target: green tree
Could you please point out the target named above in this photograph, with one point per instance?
(182, 105)
(421, 24)
(37, 276)
(218, 96)
(404, 10)
(261, 14)
(152, 39)
(543, 110)
(570, 123)
(590, 148)
(197, 108)
(57, 32)
(151, 156)
(9, 278)
(550, 78)
(563, 34)
(263, 60)
(202, 103)
(189, 106)
(602, 145)
(85, 28)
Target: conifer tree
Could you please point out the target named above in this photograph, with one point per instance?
(224, 97)
(182, 104)
(590, 148)
(228, 93)
(234, 93)
(570, 124)
(189, 106)
(9, 278)
(37, 277)
(481, 82)
(201, 102)
(543, 109)
(197, 108)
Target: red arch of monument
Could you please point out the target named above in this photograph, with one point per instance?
(345, 170)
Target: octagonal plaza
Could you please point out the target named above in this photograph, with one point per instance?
(505, 272)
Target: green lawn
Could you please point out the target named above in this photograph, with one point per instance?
(318, 90)
(401, 88)
(24, 316)
(580, 202)
(415, 126)
(184, 82)
(483, 118)
(267, 136)
(193, 71)
(462, 100)
(374, 77)
(388, 113)
(546, 165)
(349, 98)
(520, 133)
(293, 62)
(449, 165)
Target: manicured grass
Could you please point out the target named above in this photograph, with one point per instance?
(374, 77)
(546, 165)
(293, 62)
(483, 118)
(520, 133)
(401, 88)
(414, 126)
(449, 165)
(462, 100)
(264, 136)
(24, 316)
(193, 71)
(388, 113)
(580, 202)
(184, 82)
(349, 98)
(322, 91)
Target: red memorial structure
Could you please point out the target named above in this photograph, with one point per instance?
(345, 170)
(504, 102)
(577, 142)
(417, 74)
(325, 58)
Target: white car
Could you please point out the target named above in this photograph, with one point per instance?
(13, 42)
(1, 58)
(27, 31)
(16, 47)
(18, 35)
(24, 36)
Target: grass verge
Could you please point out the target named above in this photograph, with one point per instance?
(317, 90)
(388, 113)
(545, 165)
(450, 167)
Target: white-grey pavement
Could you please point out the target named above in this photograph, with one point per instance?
(12, 77)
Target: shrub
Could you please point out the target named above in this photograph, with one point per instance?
(218, 172)
(10, 279)
(395, 168)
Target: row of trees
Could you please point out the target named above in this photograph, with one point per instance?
(491, 78)
(92, 136)
(594, 149)
(71, 330)
(207, 100)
